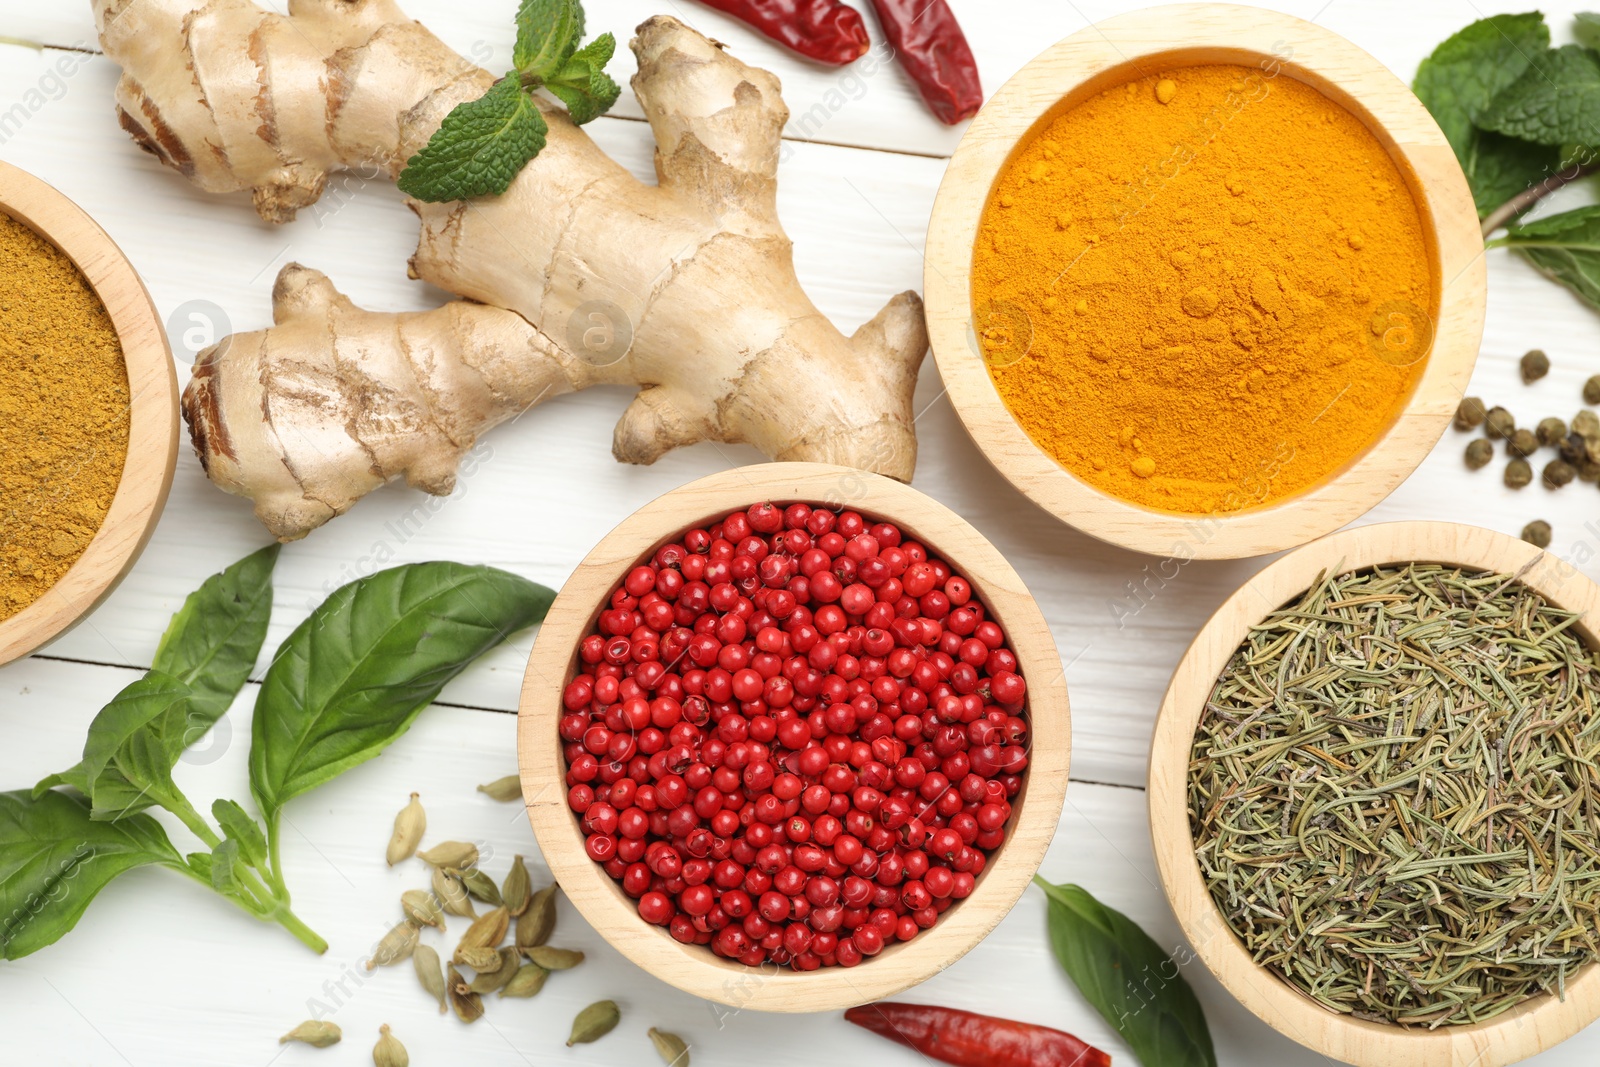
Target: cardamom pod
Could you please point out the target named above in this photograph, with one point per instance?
(535, 924)
(555, 959)
(389, 1052)
(527, 982)
(468, 1005)
(500, 977)
(318, 1033)
(422, 908)
(674, 1050)
(408, 828)
(486, 931)
(398, 944)
(452, 894)
(450, 854)
(478, 884)
(430, 972)
(594, 1022)
(482, 960)
(503, 789)
(517, 889)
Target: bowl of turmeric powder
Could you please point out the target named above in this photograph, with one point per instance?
(1205, 281)
(88, 414)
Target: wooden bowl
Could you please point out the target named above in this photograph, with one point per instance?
(153, 414)
(1121, 49)
(1529, 1028)
(695, 969)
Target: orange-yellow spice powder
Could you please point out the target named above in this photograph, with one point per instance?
(1204, 290)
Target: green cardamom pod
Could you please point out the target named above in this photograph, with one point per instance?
(497, 979)
(450, 854)
(389, 1052)
(430, 972)
(594, 1022)
(536, 924)
(486, 931)
(398, 944)
(319, 1033)
(452, 894)
(422, 908)
(527, 982)
(555, 959)
(482, 960)
(503, 789)
(674, 1050)
(467, 1004)
(408, 828)
(478, 884)
(517, 889)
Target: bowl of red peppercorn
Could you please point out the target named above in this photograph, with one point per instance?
(793, 754)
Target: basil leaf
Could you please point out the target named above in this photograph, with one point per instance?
(75, 776)
(241, 829)
(1566, 246)
(354, 675)
(1555, 101)
(1131, 982)
(212, 642)
(133, 744)
(54, 858)
(547, 33)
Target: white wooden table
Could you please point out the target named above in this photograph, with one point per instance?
(161, 973)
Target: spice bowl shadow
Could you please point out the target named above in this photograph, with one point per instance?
(695, 968)
(1126, 48)
(1531, 1027)
(152, 415)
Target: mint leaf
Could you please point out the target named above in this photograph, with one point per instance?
(547, 33)
(582, 83)
(479, 148)
(1586, 28)
(1499, 167)
(1565, 246)
(1555, 101)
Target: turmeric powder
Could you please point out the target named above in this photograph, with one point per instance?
(63, 415)
(1205, 290)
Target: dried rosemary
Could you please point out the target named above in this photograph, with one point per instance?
(1395, 795)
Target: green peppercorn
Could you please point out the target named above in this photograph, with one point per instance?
(1535, 365)
(1586, 424)
(1551, 431)
(1537, 533)
(1518, 474)
(1479, 453)
(1498, 423)
(1522, 443)
(1557, 472)
(1470, 412)
(1591, 390)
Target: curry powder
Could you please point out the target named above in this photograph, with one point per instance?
(1205, 290)
(63, 415)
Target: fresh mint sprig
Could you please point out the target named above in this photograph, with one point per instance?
(484, 143)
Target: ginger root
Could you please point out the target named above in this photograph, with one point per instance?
(559, 273)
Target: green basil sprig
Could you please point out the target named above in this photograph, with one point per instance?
(1131, 982)
(346, 683)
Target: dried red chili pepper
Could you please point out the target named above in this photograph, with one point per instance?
(824, 30)
(934, 51)
(968, 1039)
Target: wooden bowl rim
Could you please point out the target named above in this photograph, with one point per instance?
(695, 969)
(152, 423)
(1105, 54)
(1531, 1027)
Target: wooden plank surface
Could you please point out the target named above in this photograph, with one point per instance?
(170, 976)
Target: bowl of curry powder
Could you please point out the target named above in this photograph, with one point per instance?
(1205, 281)
(88, 414)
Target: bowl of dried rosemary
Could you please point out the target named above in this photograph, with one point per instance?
(88, 414)
(1204, 280)
(1375, 799)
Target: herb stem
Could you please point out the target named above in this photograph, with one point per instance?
(179, 805)
(1530, 196)
(286, 918)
